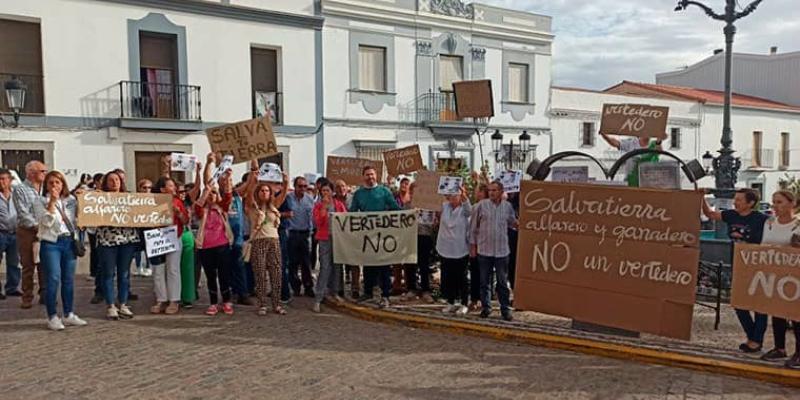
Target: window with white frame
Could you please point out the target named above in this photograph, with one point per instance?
(587, 134)
(451, 69)
(675, 138)
(784, 156)
(518, 83)
(372, 68)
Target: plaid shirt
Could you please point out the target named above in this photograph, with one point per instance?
(489, 227)
(29, 204)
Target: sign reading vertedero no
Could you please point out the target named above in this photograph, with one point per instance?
(767, 279)
(403, 161)
(640, 120)
(375, 238)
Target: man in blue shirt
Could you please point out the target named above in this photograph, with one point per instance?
(301, 205)
(8, 236)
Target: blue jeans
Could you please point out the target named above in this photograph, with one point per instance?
(238, 272)
(8, 245)
(381, 274)
(283, 237)
(116, 260)
(58, 260)
(753, 327)
(499, 266)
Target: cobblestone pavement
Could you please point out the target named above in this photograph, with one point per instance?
(308, 356)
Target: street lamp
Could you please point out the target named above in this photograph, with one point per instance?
(726, 166)
(708, 159)
(15, 96)
(516, 154)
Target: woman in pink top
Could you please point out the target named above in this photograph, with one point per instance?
(322, 221)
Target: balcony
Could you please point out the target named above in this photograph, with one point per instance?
(437, 112)
(34, 93)
(759, 159)
(146, 105)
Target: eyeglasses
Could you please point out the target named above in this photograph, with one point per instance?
(42, 171)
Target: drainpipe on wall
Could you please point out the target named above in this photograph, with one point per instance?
(319, 91)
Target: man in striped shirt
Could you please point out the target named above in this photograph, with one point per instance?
(491, 219)
(29, 204)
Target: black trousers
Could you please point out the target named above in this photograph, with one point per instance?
(217, 265)
(513, 237)
(300, 259)
(454, 279)
(779, 327)
(423, 267)
(474, 279)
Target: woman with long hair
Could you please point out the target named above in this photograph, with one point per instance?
(328, 279)
(167, 275)
(56, 234)
(265, 248)
(115, 248)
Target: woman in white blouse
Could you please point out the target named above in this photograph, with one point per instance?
(453, 246)
(56, 235)
(783, 229)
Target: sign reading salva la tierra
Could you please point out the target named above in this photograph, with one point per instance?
(403, 161)
(245, 140)
(634, 120)
(767, 279)
(614, 256)
(375, 238)
(351, 170)
(131, 210)
(426, 191)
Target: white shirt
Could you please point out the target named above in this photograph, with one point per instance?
(627, 145)
(52, 225)
(779, 234)
(453, 238)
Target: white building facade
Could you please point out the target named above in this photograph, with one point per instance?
(766, 134)
(118, 83)
(389, 68)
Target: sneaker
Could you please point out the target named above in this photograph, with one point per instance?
(172, 308)
(96, 299)
(449, 309)
(427, 298)
(227, 308)
(462, 311)
(774, 355)
(485, 313)
(262, 311)
(112, 313)
(745, 348)
(147, 272)
(316, 308)
(794, 362)
(73, 320)
(474, 307)
(139, 271)
(55, 324)
(212, 310)
(125, 312)
(384, 302)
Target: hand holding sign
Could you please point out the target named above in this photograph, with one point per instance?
(182, 162)
(450, 185)
(225, 165)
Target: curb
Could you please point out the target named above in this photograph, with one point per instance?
(598, 348)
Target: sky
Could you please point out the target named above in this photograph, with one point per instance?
(601, 42)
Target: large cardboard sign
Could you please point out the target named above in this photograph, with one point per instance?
(614, 256)
(767, 279)
(474, 99)
(161, 241)
(403, 161)
(245, 140)
(130, 210)
(640, 120)
(375, 238)
(426, 191)
(351, 170)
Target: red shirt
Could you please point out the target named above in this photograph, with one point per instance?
(322, 222)
(183, 214)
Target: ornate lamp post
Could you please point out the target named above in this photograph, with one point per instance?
(15, 96)
(726, 166)
(516, 154)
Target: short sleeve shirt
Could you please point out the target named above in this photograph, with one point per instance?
(747, 229)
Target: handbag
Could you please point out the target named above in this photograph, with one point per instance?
(78, 246)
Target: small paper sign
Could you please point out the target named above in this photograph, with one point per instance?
(227, 163)
(575, 174)
(270, 172)
(183, 162)
(426, 217)
(450, 185)
(161, 241)
(511, 180)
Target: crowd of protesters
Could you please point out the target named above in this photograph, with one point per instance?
(258, 244)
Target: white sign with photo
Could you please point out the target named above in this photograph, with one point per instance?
(161, 241)
(511, 179)
(183, 162)
(270, 172)
(426, 217)
(226, 164)
(450, 185)
(266, 104)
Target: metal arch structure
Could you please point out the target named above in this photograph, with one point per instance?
(543, 171)
(638, 152)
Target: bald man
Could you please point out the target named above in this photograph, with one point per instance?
(28, 202)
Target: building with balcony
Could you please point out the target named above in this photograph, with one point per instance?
(118, 83)
(766, 133)
(390, 67)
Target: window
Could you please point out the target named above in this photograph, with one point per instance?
(158, 66)
(518, 83)
(372, 68)
(587, 134)
(675, 138)
(785, 150)
(21, 56)
(451, 69)
(757, 149)
(264, 83)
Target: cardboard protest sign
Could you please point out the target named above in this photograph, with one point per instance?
(161, 241)
(660, 175)
(270, 172)
(375, 238)
(403, 161)
(183, 162)
(767, 279)
(449, 185)
(245, 140)
(350, 169)
(426, 191)
(511, 180)
(576, 174)
(474, 99)
(640, 120)
(131, 210)
(615, 256)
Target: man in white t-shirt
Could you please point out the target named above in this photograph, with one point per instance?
(628, 144)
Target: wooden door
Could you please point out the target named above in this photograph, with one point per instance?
(16, 159)
(148, 165)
